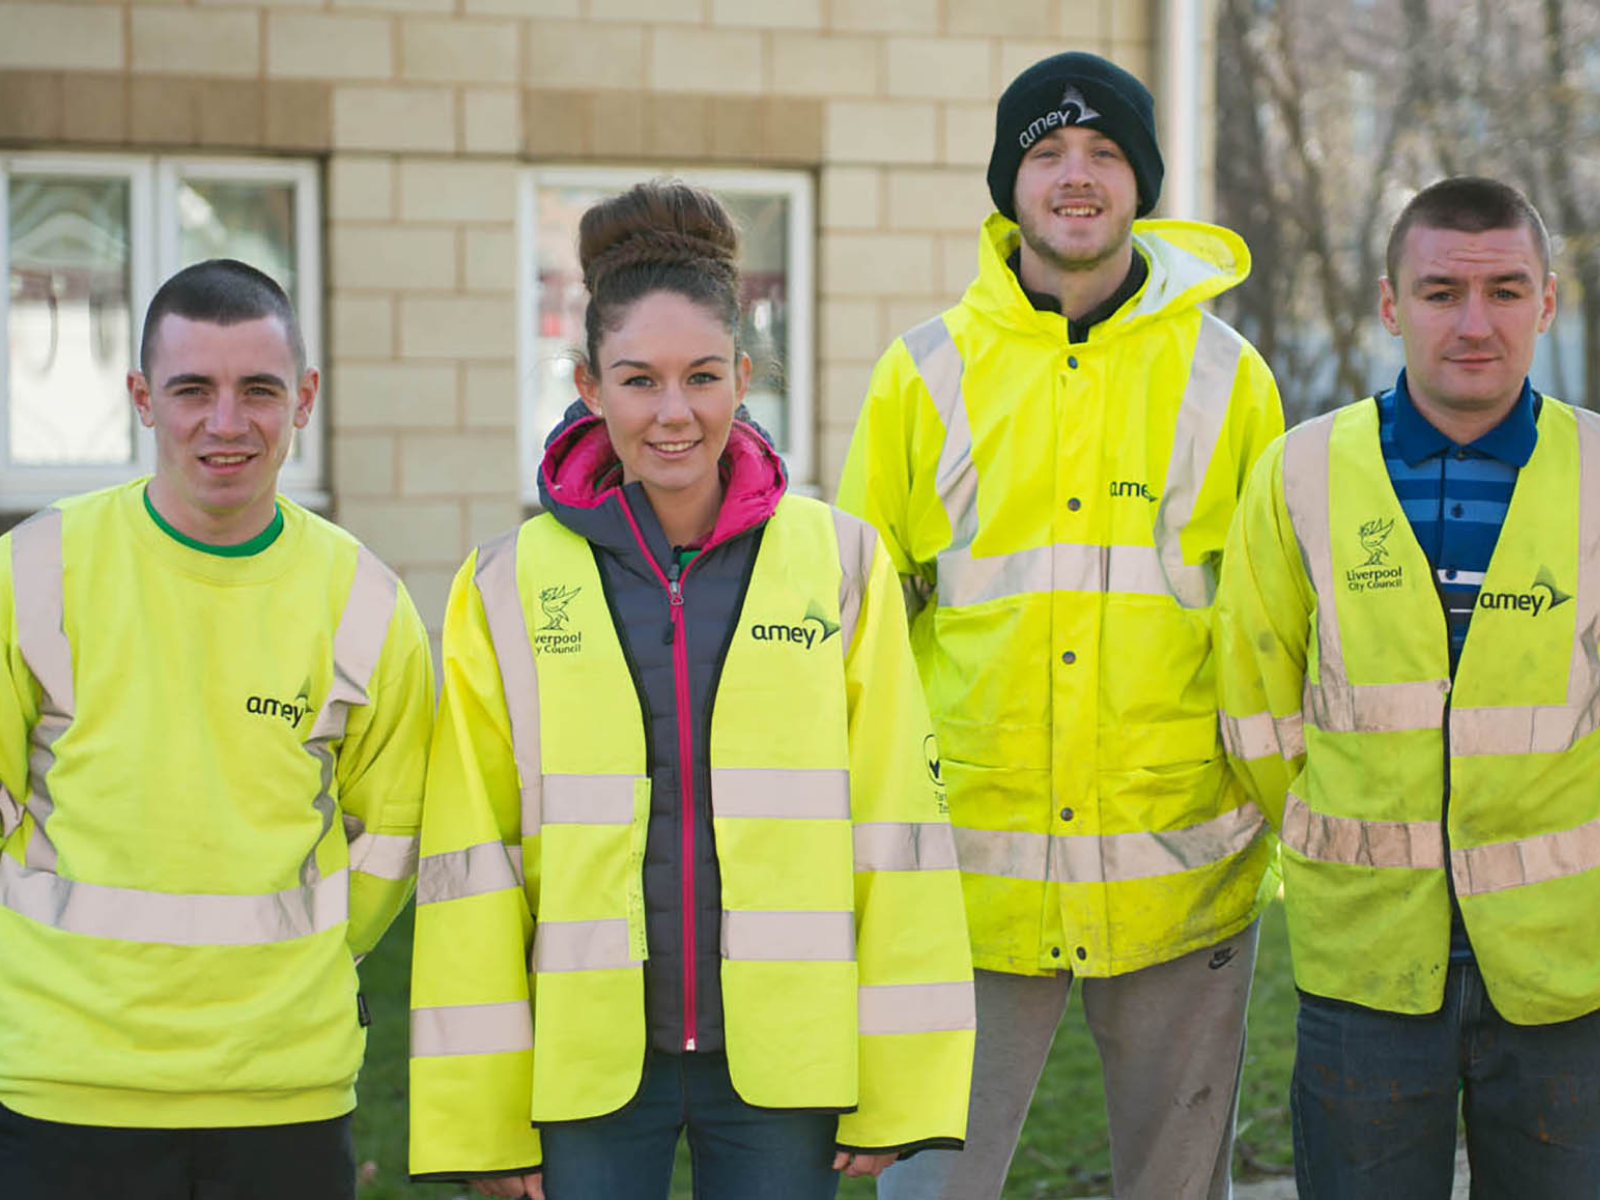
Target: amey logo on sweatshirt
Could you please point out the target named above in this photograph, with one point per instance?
(291, 711)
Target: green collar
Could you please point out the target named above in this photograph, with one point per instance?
(242, 550)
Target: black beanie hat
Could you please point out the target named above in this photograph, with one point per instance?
(1075, 89)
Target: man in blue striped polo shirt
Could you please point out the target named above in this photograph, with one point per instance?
(1377, 1093)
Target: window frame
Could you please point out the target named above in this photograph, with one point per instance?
(799, 354)
(153, 235)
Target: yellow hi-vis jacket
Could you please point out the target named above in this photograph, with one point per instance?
(210, 788)
(1341, 713)
(845, 976)
(1061, 509)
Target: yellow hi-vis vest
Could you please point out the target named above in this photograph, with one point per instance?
(1340, 710)
(1062, 508)
(846, 980)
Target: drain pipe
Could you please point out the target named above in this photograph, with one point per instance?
(1179, 30)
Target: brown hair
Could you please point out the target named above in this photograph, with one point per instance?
(1466, 204)
(663, 235)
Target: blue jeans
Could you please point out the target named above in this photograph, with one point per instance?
(1375, 1095)
(738, 1152)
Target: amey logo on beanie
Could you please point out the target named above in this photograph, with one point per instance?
(1072, 110)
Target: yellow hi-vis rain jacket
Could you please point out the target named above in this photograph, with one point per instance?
(1340, 712)
(845, 976)
(210, 790)
(1061, 509)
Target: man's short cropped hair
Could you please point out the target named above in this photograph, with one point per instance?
(1466, 204)
(221, 291)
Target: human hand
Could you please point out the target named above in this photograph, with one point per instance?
(862, 1164)
(530, 1185)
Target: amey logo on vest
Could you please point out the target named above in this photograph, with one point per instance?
(1374, 575)
(1543, 596)
(553, 637)
(802, 634)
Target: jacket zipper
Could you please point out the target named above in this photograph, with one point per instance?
(672, 581)
(680, 679)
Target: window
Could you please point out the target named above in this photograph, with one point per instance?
(773, 209)
(86, 241)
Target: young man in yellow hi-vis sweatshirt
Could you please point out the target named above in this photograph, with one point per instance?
(214, 713)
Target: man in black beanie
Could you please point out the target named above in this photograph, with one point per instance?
(1053, 464)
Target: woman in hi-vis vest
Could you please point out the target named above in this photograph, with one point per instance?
(686, 861)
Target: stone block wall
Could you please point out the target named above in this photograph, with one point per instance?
(424, 112)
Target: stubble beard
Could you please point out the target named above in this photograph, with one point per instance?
(1058, 260)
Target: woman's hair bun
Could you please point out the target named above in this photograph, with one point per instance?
(660, 223)
(663, 235)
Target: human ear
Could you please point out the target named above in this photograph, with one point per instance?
(588, 385)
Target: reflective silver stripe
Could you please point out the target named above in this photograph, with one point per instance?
(471, 1029)
(788, 936)
(1305, 494)
(38, 584)
(1262, 734)
(1375, 707)
(1548, 729)
(486, 867)
(588, 799)
(857, 542)
(1350, 841)
(1493, 868)
(916, 1008)
(173, 919)
(938, 362)
(1200, 418)
(496, 579)
(1109, 858)
(385, 855)
(582, 945)
(357, 647)
(784, 794)
(905, 846)
(1063, 567)
(10, 812)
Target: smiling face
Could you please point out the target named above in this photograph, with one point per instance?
(1075, 198)
(667, 382)
(224, 402)
(1469, 308)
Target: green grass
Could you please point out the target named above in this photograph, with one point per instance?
(1063, 1152)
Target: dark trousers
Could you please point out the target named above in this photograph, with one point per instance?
(1375, 1099)
(46, 1160)
(737, 1152)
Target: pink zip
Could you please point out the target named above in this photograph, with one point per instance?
(680, 678)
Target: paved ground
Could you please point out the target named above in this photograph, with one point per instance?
(1284, 1189)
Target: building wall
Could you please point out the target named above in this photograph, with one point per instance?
(423, 112)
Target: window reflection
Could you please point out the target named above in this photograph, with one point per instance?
(68, 323)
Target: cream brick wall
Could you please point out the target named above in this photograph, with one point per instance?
(302, 45)
(421, 250)
(42, 37)
(427, 111)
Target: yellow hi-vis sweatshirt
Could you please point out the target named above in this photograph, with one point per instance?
(211, 776)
